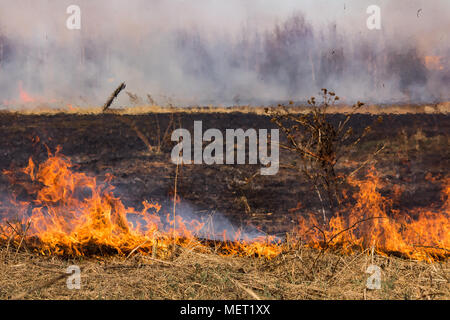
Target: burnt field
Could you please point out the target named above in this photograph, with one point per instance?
(411, 172)
(135, 149)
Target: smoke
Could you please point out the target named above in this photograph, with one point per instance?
(204, 225)
(223, 52)
(215, 226)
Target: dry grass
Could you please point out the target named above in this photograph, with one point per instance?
(443, 107)
(191, 275)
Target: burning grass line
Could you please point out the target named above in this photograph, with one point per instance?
(134, 250)
(56, 175)
(351, 227)
(430, 247)
(327, 243)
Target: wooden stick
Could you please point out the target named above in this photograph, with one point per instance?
(249, 291)
(113, 96)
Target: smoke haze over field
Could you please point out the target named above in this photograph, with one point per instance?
(223, 52)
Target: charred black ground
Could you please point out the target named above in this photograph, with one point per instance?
(416, 149)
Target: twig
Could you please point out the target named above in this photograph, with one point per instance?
(113, 96)
(142, 264)
(158, 131)
(23, 237)
(430, 247)
(352, 226)
(175, 198)
(132, 251)
(327, 242)
(321, 203)
(139, 133)
(249, 291)
(162, 261)
(365, 162)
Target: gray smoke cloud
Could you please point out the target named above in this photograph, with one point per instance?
(223, 52)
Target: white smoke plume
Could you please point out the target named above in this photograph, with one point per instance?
(191, 52)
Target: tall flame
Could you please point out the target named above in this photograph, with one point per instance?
(422, 234)
(72, 214)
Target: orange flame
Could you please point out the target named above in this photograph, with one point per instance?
(24, 96)
(72, 214)
(434, 62)
(372, 223)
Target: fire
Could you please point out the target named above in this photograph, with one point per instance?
(422, 234)
(73, 214)
(434, 62)
(24, 96)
